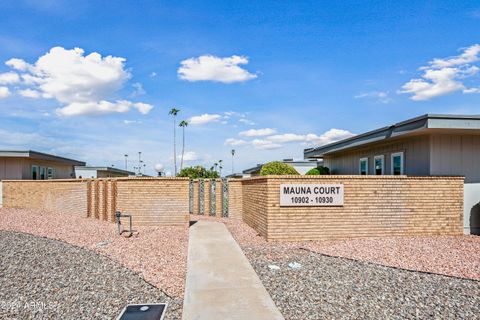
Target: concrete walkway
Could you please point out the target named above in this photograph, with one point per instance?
(221, 283)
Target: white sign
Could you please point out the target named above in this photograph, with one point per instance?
(312, 195)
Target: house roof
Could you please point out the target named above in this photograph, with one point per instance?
(415, 125)
(297, 163)
(107, 169)
(39, 156)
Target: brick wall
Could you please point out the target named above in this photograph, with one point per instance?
(154, 202)
(68, 196)
(150, 201)
(235, 198)
(373, 206)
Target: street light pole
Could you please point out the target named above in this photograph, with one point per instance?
(233, 153)
(139, 163)
(126, 162)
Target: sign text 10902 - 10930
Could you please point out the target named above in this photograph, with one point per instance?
(299, 195)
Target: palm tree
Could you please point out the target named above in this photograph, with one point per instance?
(183, 124)
(173, 112)
(220, 167)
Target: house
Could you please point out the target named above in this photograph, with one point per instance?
(429, 145)
(101, 172)
(302, 166)
(25, 165)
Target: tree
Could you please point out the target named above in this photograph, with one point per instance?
(173, 112)
(220, 167)
(183, 125)
(199, 172)
(277, 168)
(320, 170)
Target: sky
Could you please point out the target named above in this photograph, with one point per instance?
(96, 80)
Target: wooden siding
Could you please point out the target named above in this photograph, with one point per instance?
(456, 155)
(416, 156)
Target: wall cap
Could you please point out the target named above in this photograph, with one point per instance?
(358, 177)
(101, 179)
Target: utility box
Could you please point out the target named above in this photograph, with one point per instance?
(152, 311)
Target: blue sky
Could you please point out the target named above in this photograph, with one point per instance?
(267, 78)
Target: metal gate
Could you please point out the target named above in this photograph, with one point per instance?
(198, 193)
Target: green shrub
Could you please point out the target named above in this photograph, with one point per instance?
(198, 172)
(318, 171)
(277, 168)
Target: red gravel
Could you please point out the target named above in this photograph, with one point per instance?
(158, 254)
(457, 256)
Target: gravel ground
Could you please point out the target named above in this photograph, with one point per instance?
(457, 256)
(48, 279)
(158, 254)
(336, 288)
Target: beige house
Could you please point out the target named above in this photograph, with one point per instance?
(101, 172)
(32, 165)
(429, 145)
(300, 165)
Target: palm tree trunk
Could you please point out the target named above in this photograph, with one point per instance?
(183, 148)
(175, 145)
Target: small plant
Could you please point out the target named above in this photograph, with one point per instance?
(277, 168)
(198, 172)
(319, 171)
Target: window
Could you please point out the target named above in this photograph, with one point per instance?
(42, 173)
(50, 173)
(378, 165)
(363, 168)
(397, 163)
(34, 172)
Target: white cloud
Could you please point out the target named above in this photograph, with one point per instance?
(469, 55)
(20, 139)
(380, 96)
(102, 107)
(276, 141)
(257, 132)
(204, 118)
(472, 90)
(189, 156)
(330, 136)
(235, 142)
(212, 68)
(4, 92)
(287, 137)
(29, 93)
(444, 76)
(265, 144)
(138, 89)
(256, 143)
(153, 74)
(83, 84)
(9, 78)
(132, 121)
(247, 121)
(18, 64)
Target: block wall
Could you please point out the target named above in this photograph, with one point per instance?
(374, 206)
(68, 196)
(150, 201)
